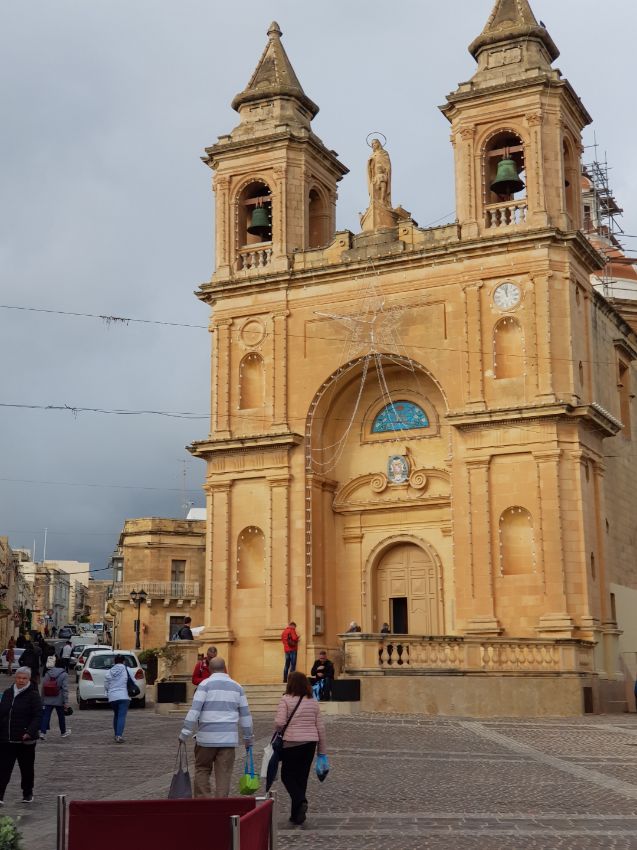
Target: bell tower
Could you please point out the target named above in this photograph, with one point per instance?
(274, 180)
(516, 129)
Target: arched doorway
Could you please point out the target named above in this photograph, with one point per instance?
(408, 591)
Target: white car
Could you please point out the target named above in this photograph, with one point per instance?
(90, 685)
(84, 654)
(4, 664)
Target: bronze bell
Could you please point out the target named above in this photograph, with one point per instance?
(259, 222)
(507, 180)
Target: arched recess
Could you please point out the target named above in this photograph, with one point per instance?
(251, 558)
(517, 542)
(251, 381)
(318, 219)
(337, 421)
(405, 577)
(256, 194)
(508, 348)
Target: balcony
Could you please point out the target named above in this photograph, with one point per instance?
(507, 214)
(168, 591)
(418, 654)
(254, 257)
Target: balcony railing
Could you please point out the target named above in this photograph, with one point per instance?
(158, 589)
(366, 653)
(507, 214)
(257, 257)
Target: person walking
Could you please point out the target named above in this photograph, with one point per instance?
(10, 655)
(67, 651)
(290, 640)
(219, 707)
(55, 695)
(31, 658)
(20, 715)
(202, 667)
(304, 730)
(116, 687)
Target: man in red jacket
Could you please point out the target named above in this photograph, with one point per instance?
(290, 640)
(202, 671)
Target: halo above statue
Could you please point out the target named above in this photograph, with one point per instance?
(374, 135)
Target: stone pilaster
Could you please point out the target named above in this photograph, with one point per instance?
(473, 339)
(543, 334)
(223, 377)
(483, 620)
(280, 370)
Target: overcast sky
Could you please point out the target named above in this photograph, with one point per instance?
(106, 208)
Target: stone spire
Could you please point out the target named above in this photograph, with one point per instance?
(510, 21)
(274, 77)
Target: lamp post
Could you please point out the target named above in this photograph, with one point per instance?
(136, 598)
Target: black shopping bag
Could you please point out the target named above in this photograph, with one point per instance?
(181, 786)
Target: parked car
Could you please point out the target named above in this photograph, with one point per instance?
(81, 658)
(65, 632)
(90, 686)
(4, 664)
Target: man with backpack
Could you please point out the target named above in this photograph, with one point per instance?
(185, 632)
(55, 695)
(290, 640)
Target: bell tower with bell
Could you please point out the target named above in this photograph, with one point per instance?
(516, 130)
(274, 180)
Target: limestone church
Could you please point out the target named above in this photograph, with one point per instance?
(429, 428)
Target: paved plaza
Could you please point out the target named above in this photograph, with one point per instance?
(401, 783)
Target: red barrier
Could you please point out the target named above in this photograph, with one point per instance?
(153, 824)
(254, 827)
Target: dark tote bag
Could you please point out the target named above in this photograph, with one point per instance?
(181, 786)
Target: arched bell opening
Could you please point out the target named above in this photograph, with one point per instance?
(318, 219)
(504, 179)
(254, 219)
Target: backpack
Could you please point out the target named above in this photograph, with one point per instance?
(50, 688)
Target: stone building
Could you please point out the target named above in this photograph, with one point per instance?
(164, 558)
(431, 428)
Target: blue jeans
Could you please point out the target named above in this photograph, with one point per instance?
(120, 710)
(290, 664)
(45, 724)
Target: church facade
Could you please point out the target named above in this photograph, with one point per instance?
(425, 428)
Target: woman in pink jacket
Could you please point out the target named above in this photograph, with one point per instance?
(305, 729)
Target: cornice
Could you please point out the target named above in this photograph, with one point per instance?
(241, 445)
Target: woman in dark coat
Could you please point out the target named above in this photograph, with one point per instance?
(20, 716)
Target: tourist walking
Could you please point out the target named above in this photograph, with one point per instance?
(20, 715)
(116, 687)
(185, 632)
(290, 640)
(219, 707)
(202, 667)
(67, 651)
(305, 728)
(55, 697)
(10, 655)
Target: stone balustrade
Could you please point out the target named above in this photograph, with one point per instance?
(158, 589)
(254, 257)
(506, 214)
(369, 654)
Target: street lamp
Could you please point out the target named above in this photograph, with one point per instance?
(137, 598)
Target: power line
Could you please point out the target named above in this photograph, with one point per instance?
(75, 410)
(108, 320)
(109, 486)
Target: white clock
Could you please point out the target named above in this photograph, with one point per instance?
(507, 296)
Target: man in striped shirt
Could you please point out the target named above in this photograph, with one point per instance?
(218, 708)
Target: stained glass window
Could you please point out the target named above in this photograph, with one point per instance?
(400, 416)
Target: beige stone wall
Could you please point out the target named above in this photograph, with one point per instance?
(474, 696)
(149, 546)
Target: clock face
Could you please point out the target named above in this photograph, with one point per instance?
(507, 296)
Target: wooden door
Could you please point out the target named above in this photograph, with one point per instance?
(408, 571)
